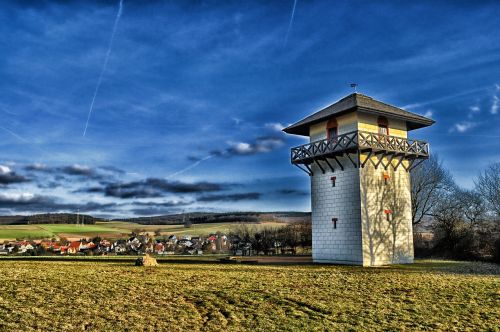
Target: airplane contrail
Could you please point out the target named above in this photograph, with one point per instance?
(106, 59)
(189, 167)
(22, 139)
(291, 22)
(445, 98)
(15, 135)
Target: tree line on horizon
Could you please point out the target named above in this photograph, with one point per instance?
(170, 219)
(215, 217)
(48, 218)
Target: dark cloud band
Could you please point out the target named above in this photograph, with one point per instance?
(230, 197)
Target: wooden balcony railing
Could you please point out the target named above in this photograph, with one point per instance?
(359, 141)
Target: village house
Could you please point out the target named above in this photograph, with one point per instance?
(159, 248)
(56, 248)
(87, 245)
(134, 243)
(119, 247)
(243, 249)
(184, 243)
(148, 247)
(24, 246)
(74, 248)
(105, 246)
(46, 244)
(171, 242)
(4, 249)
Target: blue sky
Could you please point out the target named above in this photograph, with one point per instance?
(192, 98)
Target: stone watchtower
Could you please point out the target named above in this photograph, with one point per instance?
(359, 158)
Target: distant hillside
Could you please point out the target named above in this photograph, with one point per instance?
(170, 219)
(209, 217)
(47, 218)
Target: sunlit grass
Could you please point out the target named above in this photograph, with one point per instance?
(115, 229)
(23, 231)
(79, 229)
(175, 297)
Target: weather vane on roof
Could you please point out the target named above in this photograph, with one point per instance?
(354, 85)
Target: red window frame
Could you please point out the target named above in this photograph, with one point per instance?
(332, 124)
(383, 123)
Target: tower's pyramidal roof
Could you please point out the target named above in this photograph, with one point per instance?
(361, 103)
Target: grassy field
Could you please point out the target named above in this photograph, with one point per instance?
(112, 229)
(23, 231)
(429, 295)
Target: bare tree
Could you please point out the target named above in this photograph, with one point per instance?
(243, 231)
(449, 224)
(472, 206)
(488, 185)
(429, 181)
(459, 224)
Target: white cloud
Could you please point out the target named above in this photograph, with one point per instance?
(276, 126)
(428, 114)
(38, 167)
(243, 148)
(462, 127)
(5, 169)
(80, 168)
(261, 145)
(267, 144)
(473, 110)
(494, 105)
(497, 86)
(17, 197)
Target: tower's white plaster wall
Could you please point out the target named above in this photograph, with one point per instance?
(342, 245)
(386, 241)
